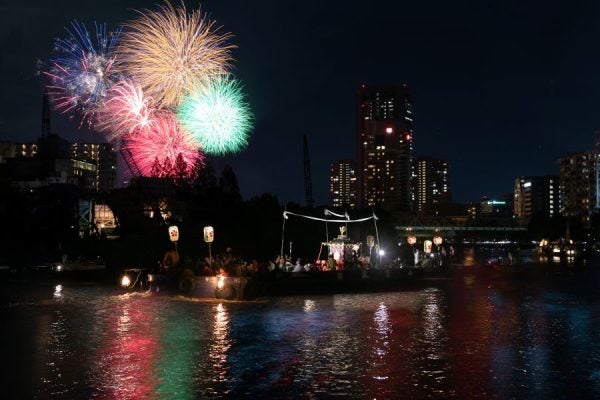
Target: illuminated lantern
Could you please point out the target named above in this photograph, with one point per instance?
(209, 234)
(173, 233)
(427, 246)
(411, 239)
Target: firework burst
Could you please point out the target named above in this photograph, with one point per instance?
(218, 116)
(81, 72)
(161, 144)
(126, 110)
(171, 51)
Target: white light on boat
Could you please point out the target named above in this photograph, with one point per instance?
(59, 267)
(125, 281)
(220, 282)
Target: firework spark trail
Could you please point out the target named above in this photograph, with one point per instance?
(170, 51)
(218, 116)
(126, 110)
(160, 141)
(81, 73)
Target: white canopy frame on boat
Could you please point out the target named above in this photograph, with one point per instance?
(346, 220)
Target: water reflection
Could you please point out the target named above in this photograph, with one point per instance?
(174, 366)
(220, 343)
(58, 292)
(56, 353)
(473, 335)
(381, 345)
(124, 361)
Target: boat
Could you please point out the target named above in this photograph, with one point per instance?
(350, 273)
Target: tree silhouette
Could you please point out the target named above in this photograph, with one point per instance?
(155, 171)
(167, 168)
(181, 170)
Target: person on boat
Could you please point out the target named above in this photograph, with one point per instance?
(170, 261)
(298, 267)
(288, 264)
(331, 263)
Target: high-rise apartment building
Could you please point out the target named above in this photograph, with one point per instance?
(578, 185)
(433, 184)
(385, 148)
(343, 184)
(536, 195)
(105, 158)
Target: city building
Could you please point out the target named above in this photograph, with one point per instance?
(343, 184)
(104, 157)
(500, 208)
(578, 185)
(32, 173)
(385, 148)
(536, 195)
(433, 187)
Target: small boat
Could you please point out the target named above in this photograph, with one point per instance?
(188, 284)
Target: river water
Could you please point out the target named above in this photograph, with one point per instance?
(473, 333)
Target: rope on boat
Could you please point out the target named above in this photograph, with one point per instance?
(286, 213)
(320, 249)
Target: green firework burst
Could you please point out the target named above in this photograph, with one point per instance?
(217, 115)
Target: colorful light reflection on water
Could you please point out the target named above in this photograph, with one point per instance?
(481, 337)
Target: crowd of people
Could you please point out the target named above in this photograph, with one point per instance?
(229, 264)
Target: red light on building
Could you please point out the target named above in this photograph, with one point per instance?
(408, 137)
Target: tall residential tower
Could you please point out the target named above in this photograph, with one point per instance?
(433, 188)
(536, 195)
(385, 148)
(342, 184)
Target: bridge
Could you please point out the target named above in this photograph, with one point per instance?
(424, 226)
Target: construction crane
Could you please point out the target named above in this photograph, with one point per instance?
(307, 179)
(152, 196)
(129, 160)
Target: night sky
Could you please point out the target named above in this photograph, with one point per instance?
(501, 88)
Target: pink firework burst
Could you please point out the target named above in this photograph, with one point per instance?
(126, 110)
(162, 149)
